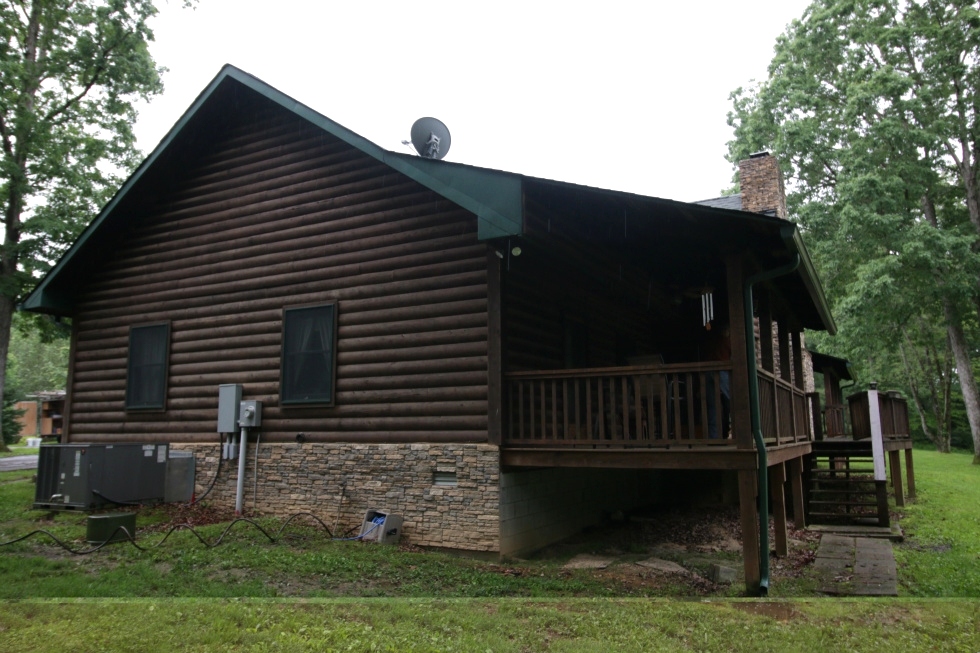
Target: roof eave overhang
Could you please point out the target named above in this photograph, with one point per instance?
(808, 275)
(495, 197)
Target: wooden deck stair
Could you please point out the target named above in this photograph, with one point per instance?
(840, 484)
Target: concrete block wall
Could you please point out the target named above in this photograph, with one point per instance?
(398, 478)
(542, 506)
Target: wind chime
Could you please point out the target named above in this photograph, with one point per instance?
(707, 309)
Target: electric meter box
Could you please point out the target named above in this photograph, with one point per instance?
(229, 400)
(90, 476)
(381, 527)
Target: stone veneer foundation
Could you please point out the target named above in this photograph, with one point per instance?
(398, 478)
(510, 513)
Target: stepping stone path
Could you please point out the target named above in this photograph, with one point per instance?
(856, 566)
(665, 566)
(586, 561)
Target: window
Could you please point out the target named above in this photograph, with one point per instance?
(308, 345)
(146, 377)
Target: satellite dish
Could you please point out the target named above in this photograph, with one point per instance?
(430, 138)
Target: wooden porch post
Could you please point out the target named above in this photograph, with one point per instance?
(777, 490)
(749, 512)
(765, 331)
(896, 464)
(830, 384)
(910, 472)
(740, 411)
(782, 337)
(796, 491)
(494, 351)
(797, 344)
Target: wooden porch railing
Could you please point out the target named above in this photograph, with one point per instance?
(783, 407)
(640, 406)
(892, 409)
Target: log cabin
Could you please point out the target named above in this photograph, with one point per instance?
(498, 358)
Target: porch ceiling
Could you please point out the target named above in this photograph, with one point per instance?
(680, 243)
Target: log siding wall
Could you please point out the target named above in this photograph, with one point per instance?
(568, 281)
(282, 214)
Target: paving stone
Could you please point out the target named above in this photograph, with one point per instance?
(587, 561)
(721, 574)
(856, 566)
(665, 566)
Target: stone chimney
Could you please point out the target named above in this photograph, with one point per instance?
(762, 185)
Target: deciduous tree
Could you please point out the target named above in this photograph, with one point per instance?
(70, 71)
(872, 106)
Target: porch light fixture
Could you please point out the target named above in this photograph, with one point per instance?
(515, 251)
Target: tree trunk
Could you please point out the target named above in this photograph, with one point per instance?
(964, 370)
(6, 315)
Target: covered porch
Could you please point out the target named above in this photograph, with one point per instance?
(630, 329)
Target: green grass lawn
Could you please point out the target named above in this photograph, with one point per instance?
(19, 450)
(579, 625)
(941, 553)
(308, 593)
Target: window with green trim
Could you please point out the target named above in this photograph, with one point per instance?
(309, 337)
(146, 374)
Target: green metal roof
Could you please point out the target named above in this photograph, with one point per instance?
(495, 197)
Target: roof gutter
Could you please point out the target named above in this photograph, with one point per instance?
(760, 443)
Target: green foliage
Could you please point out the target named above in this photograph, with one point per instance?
(872, 108)
(37, 360)
(70, 72)
(10, 414)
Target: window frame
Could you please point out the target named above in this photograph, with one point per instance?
(317, 402)
(162, 405)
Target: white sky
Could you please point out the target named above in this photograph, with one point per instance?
(622, 95)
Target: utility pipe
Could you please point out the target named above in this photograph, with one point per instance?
(241, 473)
(760, 443)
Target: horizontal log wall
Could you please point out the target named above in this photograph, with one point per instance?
(277, 214)
(569, 282)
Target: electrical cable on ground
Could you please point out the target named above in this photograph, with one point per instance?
(214, 480)
(113, 501)
(130, 537)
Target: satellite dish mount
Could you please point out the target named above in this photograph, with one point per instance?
(431, 138)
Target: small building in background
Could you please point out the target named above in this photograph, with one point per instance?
(42, 415)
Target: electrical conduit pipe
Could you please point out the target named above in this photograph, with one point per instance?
(760, 443)
(241, 473)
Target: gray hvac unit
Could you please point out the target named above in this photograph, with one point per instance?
(181, 468)
(90, 476)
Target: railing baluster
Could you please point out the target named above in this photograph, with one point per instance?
(637, 408)
(520, 409)
(704, 403)
(689, 386)
(531, 417)
(564, 405)
(554, 410)
(602, 408)
(544, 416)
(588, 409)
(625, 417)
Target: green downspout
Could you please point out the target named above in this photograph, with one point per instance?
(760, 443)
